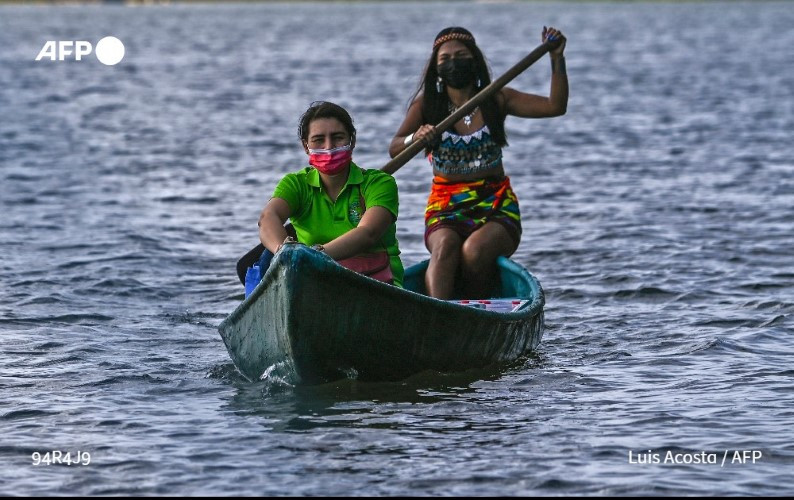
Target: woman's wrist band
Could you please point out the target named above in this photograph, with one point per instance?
(408, 139)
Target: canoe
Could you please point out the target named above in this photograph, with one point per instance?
(311, 321)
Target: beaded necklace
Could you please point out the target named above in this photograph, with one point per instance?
(466, 118)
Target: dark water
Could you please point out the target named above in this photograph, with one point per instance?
(658, 216)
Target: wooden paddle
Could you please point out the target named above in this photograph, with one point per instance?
(409, 152)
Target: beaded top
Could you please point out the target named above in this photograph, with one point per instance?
(465, 154)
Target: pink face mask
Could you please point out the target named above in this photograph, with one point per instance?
(331, 161)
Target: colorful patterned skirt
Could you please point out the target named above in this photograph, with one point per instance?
(466, 206)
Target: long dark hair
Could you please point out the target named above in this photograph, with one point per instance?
(435, 105)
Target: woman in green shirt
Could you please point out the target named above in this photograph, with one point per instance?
(334, 205)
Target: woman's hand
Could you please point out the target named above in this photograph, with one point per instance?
(426, 133)
(289, 240)
(552, 34)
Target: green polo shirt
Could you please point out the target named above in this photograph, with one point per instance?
(317, 219)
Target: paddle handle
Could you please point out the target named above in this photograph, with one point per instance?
(409, 152)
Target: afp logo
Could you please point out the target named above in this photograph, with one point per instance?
(109, 50)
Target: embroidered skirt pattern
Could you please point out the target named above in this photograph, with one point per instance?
(467, 206)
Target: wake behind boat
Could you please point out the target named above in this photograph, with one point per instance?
(315, 321)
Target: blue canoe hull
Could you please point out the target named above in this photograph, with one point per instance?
(312, 321)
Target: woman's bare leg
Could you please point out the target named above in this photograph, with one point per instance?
(445, 251)
(478, 258)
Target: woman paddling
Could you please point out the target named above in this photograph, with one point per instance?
(334, 205)
(472, 213)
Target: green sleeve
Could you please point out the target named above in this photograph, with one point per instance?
(380, 190)
(289, 190)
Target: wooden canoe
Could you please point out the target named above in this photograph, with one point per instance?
(312, 321)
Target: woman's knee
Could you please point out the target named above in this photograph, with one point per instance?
(476, 256)
(445, 244)
(480, 251)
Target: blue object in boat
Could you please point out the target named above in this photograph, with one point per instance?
(252, 278)
(255, 273)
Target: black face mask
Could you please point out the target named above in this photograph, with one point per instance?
(457, 73)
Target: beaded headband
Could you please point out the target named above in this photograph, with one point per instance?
(453, 36)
